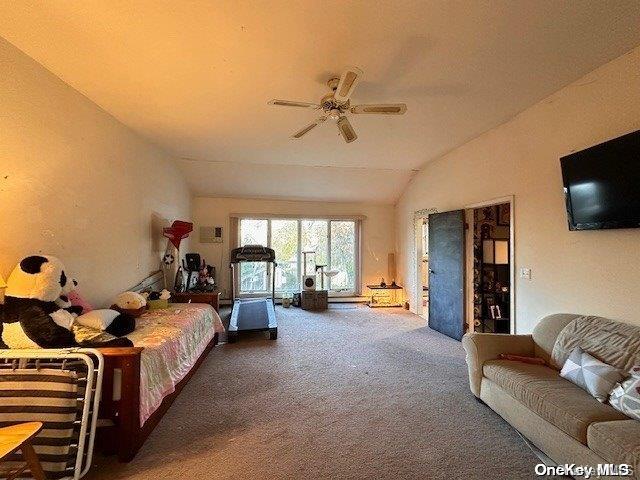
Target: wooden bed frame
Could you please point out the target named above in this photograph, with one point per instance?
(120, 432)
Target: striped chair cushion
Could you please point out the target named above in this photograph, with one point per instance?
(45, 395)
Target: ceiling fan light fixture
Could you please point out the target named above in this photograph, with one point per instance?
(334, 114)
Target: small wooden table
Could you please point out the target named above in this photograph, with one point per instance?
(210, 298)
(384, 295)
(19, 437)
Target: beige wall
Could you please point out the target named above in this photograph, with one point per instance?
(78, 184)
(377, 229)
(591, 272)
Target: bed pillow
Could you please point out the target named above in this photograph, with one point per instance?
(625, 397)
(591, 374)
(98, 319)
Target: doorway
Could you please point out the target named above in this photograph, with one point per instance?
(421, 274)
(490, 263)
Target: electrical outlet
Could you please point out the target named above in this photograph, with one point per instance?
(525, 273)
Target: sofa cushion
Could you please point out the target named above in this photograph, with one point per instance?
(616, 442)
(553, 398)
(614, 343)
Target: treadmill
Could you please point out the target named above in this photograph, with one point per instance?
(252, 314)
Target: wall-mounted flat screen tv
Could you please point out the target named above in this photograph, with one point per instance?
(602, 185)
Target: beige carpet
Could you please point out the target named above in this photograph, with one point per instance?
(351, 393)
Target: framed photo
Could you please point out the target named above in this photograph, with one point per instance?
(488, 280)
(489, 303)
(504, 214)
(487, 214)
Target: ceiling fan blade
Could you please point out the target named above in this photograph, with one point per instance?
(347, 84)
(381, 109)
(290, 103)
(300, 133)
(346, 130)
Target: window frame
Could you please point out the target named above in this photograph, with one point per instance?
(356, 219)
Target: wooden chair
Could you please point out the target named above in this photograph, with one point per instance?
(19, 437)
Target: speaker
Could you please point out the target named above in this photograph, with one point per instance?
(193, 262)
(308, 282)
(391, 266)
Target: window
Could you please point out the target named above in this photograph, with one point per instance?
(342, 254)
(335, 243)
(253, 275)
(284, 241)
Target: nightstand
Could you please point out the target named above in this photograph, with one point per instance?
(211, 298)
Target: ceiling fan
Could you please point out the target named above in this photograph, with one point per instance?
(337, 104)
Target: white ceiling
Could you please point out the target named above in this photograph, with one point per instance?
(195, 77)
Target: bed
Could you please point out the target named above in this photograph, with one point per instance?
(141, 382)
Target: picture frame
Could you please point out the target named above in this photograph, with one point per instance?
(489, 303)
(504, 214)
(488, 280)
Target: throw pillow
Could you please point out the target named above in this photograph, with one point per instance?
(625, 397)
(590, 374)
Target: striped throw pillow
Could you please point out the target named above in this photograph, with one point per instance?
(42, 395)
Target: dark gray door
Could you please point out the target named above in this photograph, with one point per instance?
(446, 273)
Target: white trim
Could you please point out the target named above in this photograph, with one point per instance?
(510, 199)
(494, 201)
(419, 216)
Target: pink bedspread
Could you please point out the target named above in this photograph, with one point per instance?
(173, 339)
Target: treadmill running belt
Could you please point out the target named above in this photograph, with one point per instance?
(253, 314)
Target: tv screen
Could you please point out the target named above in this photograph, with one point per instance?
(602, 185)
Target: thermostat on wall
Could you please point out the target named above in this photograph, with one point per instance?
(210, 234)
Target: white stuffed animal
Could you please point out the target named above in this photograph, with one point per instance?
(130, 301)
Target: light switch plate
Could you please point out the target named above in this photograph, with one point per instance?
(525, 273)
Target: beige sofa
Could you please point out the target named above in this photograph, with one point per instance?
(560, 418)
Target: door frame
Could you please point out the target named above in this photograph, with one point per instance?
(510, 199)
(418, 217)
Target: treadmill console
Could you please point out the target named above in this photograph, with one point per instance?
(253, 253)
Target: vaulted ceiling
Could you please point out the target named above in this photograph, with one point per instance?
(195, 78)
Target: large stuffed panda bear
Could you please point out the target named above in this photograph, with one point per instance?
(63, 301)
(30, 317)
